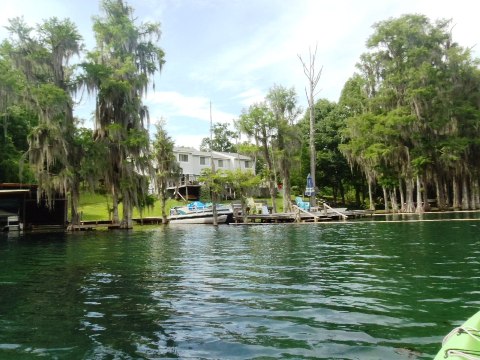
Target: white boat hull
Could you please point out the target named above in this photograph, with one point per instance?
(202, 215)
(13, 224)
(197, 219)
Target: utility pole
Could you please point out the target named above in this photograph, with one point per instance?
(212, 164)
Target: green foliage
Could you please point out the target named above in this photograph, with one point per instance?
(221, 139)
(205, 194)
(242, 182)
(92, 156)
(17, 122)
(412, 110)
(410, 113)
(332, 171)
(283, 104)
(213, 181)
(167, 167)
(120, 70)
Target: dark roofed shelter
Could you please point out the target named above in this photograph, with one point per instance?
(21, 200)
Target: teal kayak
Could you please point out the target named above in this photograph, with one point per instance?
(462, 342)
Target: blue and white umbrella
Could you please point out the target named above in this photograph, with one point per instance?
(309, 191)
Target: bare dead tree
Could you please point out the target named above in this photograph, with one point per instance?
(313, 79)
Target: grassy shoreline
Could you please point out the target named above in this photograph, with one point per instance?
(94, 206)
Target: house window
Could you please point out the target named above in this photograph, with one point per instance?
(203, 160)
(183, 157)
(247, 164)
(220, 163)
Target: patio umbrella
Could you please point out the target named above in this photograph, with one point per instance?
(309, 191)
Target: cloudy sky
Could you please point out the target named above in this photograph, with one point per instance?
(231, 52)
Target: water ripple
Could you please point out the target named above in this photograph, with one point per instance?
(363, 290)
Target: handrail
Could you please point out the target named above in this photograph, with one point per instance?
(315, 217)
(345, 217)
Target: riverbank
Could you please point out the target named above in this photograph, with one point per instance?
(95, 207)
(95, 215)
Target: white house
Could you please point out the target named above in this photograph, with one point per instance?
(193, 161)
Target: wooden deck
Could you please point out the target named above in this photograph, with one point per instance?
(299, 217)
(151, 220)
(90, 225)
(318, 215)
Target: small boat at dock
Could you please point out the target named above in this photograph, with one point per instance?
(13, 224)
(199, 213)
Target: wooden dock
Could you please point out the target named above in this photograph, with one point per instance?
(151, 220)
(90, 225)
(300, 216)
(297, 216)
(81, 227)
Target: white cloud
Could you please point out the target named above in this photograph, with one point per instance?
(189, 140)
(172, 104)
(251, 96)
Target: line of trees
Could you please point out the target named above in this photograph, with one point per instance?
(272, 126)
(414, 116)
(38, 85)
(405, 128)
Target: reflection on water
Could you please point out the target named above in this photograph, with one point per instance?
(373, 289)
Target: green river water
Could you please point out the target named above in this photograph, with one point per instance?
(368, 289)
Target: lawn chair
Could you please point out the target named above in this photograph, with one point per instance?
(304, 205)
(255, 207)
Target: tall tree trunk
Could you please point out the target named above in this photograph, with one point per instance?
(385, 199)
(127, 222)
(465, 197)
(370, 193)
(164, 210)
(447, 195)
(426, 203)
(285, 171)
(244, 209)
(313, 152)
(403, 207)
(287, 198)
(456, 193)
(440, 195)
(163, 201)
(313, 79)
(115, 217)
(409, 187)
(272, 186)
(214, 207)
(74, 198)
(393, 197)
(420, 201)
(475, 194)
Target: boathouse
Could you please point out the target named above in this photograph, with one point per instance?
(21, 200)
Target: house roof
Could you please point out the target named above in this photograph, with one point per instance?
(5, 193)
(184, 149)
(233, 155)
(216, 154)
(14, 191)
